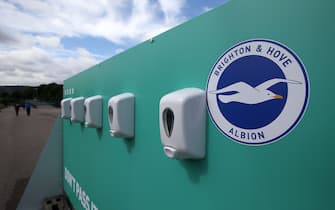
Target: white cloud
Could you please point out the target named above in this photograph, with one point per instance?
(172, 10)
(31, 51)
(99, 18)
(118, 50)
(35, 66)
(206, 9)
(48, 41)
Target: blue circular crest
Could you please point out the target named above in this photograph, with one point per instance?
(257, 92)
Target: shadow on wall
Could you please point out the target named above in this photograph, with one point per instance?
(99, 133)
(130, 143)
(197, 168)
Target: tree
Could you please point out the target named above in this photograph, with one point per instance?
(17, 95)
(4, 98)
(29, 93)
(52, 93)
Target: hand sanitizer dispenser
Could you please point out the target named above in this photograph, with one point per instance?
(66, 108)
(77, 110)
(182, 119)
(121, 115)
(93, 112)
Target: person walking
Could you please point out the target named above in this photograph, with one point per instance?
(17, 108)
(28, 107)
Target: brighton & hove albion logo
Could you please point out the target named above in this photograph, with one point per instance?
(257, 92)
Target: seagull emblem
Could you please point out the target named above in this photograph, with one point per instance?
(244, 93)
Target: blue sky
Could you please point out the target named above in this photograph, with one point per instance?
(49, 41)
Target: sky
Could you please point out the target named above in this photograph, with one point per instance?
(45, 41)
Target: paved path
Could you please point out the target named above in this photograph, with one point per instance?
(22, 139)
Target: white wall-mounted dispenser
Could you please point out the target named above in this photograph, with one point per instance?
(77, 110)
(121, 115)
(182, 119)
(66, 108)
(93, 112)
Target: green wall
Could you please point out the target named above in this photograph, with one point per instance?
(296, 172)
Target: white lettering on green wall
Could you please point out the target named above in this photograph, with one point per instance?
(78, 191)
(68, 91)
